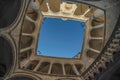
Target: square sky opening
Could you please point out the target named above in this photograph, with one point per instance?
(60, 38)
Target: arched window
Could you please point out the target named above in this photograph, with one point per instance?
(9, 10)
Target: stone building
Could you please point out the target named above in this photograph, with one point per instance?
(20, 23)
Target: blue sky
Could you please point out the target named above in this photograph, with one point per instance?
(60, 38)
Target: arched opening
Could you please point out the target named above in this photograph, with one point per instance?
(69, 69)
(44, 67)
(56, 68)
(32, 64)
(5, 56)
(9, 10)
